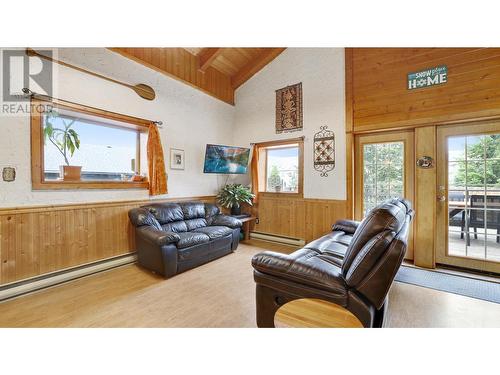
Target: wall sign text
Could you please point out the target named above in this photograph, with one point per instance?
(429, 77)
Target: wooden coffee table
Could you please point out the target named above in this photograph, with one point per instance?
(314, 313)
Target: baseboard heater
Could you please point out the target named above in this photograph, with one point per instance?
(277, 239)
(19, 288)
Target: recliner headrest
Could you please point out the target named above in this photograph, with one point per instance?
(389, 217)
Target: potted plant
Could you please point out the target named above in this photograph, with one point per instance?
(275, 179)
(233, 195)
(66, 141)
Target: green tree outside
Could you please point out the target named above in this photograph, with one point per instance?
(487, 148)
(274, 179)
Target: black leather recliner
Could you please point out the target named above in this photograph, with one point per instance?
(174, 237)
(354, 266)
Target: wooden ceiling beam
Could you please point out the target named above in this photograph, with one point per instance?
(253, 66)
(207, 56)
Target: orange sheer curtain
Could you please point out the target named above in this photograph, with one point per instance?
(156, 163)
(255, 173)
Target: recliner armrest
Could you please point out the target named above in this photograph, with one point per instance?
(347, 226)
(226, 221)
(156, 236)
(303, 266)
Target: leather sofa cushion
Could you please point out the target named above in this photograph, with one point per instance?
(140, 217)
(176, 227)
(305, 266)
(211, 210)
(166, 212)
(329, 247)
(214, 231)
(188, 239)
(193, 210)
(193, 224)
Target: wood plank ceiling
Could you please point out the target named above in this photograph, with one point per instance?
(215, 71)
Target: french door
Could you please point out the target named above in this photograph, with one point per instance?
(468, 202)
(384, 169)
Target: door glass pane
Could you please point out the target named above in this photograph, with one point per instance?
(383, 173)
(474, 196)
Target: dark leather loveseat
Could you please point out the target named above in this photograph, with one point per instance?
(174, 237)
(353, 266)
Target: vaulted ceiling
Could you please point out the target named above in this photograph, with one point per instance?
(215, 71)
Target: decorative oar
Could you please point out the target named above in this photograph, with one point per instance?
(144, 91)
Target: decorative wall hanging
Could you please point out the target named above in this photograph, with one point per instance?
(289, 109)
(428, 77)
(176, 159)
(9, 174)
(324, 151)
(425, 162)
(144, 91)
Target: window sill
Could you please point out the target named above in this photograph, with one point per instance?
(280, 194)
(81, 185)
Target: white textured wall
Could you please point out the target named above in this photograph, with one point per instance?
(191, 120)
(321, 71)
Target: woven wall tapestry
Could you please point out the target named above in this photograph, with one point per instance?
(289, 109)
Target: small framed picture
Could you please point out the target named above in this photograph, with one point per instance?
(176, 159)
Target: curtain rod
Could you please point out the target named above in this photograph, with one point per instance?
(280, 140)
(28, 93)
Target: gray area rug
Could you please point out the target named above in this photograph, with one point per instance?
(465, 286)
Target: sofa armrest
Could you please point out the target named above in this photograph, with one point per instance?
(226, 221)
(344, 225)
(157, 237)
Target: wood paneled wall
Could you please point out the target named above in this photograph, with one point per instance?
(39, 240)
(179, 64)
(301, 218)
(381, 100)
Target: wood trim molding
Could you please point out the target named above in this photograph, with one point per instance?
(349, 121)
(350, 150)
(73, 206)
(300, 142)
(37, 144)
(136, 122)
(279, 142)
(349, 95)
(425, 199)
(408, 138)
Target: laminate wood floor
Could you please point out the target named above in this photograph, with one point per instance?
(217, 294)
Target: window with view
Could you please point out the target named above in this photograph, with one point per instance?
(281, 168)
(383, 173)
(102, 150)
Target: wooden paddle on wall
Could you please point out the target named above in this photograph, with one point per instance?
(144, 91)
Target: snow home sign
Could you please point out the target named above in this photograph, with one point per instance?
(428, 77)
